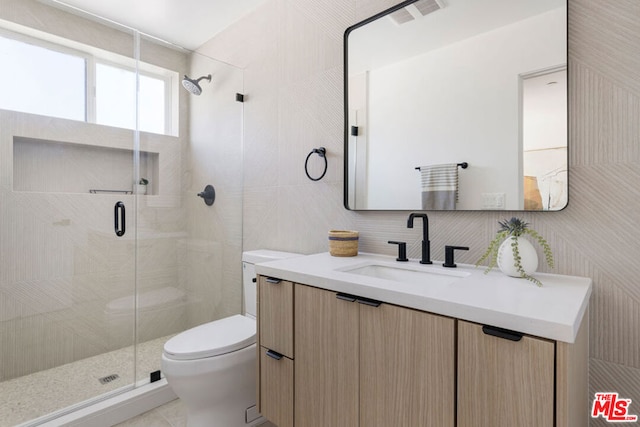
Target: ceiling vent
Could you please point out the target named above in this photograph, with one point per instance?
(415, 11)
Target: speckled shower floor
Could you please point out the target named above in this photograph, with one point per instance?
(38, 394)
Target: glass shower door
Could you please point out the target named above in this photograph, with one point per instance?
(67, 213)
(188, 253)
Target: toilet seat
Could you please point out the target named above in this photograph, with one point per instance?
(212, 339)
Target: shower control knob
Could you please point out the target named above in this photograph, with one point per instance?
(209, 195)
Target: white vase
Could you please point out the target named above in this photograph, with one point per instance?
(528, 257)
(141, 189)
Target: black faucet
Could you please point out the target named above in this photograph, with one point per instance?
(448, 255)
(426, 245)
(402, 250)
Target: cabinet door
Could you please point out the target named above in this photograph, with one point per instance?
(503, 383)
(407, 368)
(326, 363)
(276, 315)
(276, 388)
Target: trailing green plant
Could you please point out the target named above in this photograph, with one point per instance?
(143, 181)
(515, 227)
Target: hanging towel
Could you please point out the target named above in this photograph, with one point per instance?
(439, 186)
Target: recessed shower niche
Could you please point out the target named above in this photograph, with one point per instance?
(41, 165)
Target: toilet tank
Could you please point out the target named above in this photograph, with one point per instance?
(249, 260)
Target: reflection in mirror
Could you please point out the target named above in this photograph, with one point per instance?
(432, 84)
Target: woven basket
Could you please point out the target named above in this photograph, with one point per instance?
(343, 243)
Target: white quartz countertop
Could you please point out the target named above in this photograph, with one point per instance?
(552, 311)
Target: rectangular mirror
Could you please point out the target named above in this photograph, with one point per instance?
(457, 105)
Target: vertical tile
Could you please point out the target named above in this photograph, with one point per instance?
(604, 150)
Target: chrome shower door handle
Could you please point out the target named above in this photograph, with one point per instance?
(119, 219)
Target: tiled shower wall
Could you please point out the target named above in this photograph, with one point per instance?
(292, 55)
(61, 267)
(213, 270)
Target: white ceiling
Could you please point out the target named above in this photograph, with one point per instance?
(187, 23)
(382, 42)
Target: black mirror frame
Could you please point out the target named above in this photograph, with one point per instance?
(348, 131)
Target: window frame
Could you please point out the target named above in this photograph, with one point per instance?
(93, 56)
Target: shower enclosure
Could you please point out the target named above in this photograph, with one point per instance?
(105, 249)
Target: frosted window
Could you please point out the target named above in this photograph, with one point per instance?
(37, 80)
(152, 106)
(41, 80)
(115, 97)
(116, 102)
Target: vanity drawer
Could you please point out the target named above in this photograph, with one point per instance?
(276, 388)
(275, 299)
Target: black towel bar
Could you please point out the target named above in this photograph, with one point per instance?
(462, 165)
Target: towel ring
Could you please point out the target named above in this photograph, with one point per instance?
(322, 152)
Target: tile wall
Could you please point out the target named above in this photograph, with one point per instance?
(67, 284)
(292, 55)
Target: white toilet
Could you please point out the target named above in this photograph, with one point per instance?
(212, 367)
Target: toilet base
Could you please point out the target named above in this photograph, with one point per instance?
(216, 391)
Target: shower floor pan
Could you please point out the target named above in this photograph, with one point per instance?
(39, 394)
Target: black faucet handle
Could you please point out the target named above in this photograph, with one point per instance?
(448, 255)
(402, 250)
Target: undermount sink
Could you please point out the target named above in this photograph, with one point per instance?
(407, 273)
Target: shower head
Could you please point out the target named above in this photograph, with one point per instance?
(192, 85)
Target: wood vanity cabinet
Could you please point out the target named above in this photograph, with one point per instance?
(521, 380)
(357, 362)
(360, 363)
(327, 359)
(504, 381)
(407, 367)
(275, 350)
(276, 388)
(276, 314)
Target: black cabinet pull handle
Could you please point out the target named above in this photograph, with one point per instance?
(346, 297)
(360, 300)
(274, 354)
(502, 333)
(369, 302)
(273, 280)
(119, 219)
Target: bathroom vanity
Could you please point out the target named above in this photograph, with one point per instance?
(372, 342)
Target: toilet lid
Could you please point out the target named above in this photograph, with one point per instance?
(212, 339)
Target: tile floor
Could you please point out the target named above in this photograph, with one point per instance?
(172, 414)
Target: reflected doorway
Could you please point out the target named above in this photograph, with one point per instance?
(544, 139)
